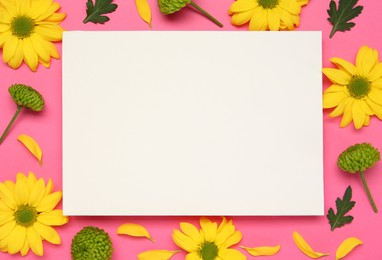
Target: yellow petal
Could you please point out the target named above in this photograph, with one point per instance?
(55, 18)
(377, 109)
(52, 218)
(52, 8)
(333, 99)
(344, 65)
(375, 73)
(358, 114)
(377, 84)
(367, 120)
(226, 231)
(347, 246)
(35, 241)
(367, 58)
(290, 6)
(7, 196)
(144, 10)
(21, 192)
(16, 239)
(183, 241)
(30, 55)
(210, 229)
(6, 217)
(242, 6)
(366, 108)
(47, 233)
(231, 254)
(286, 19)
(134, 230)
(193, 256)
(32, 146)
(304, 246)
(273, 19)
(233, 239)
(25, 249)
(262, 251)
(17, 59)
(191, 231)
(9, 48)
(49, 187)
(52, 50)
(348, 115)
(37, 193)
(337, 76)
(6, 229)
(242, 17)
(259, 21)
(3, 206)
(4, 36)
(335, 88)
(157, 255)
(49, 32)
(49, 202)
(376, 96)
(40, 47)
(31, 180)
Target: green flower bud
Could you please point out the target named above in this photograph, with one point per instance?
(91, 243)
(358, 158)
(26, 96)
(171, 6)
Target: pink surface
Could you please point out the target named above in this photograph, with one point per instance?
(257, 231)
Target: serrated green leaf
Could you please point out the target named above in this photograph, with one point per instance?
(343, 207)
(96, 11)
(340, 17)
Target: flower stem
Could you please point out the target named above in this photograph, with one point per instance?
(19, 108)
(213, 19)
(368, 191)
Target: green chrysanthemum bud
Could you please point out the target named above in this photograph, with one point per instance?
(27, 97)
(172, 6)
(91, 243)
(24, 96)
(358, 158)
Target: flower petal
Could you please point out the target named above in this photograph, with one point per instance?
(157, 255)
(286, 19)
(49, 187)
(333, 99)
(4, 36)
(377, 109)
(31, 180)
(6, 229)
(335, 88)
(367, 120)
(52, 9)
(367, 58)
(259, 21)
(21, 192)
(273, 19)
(348, 115)
(375, 73)
(25, 249)
(376, 96)
(224, 233)
(7, 196)
(35, 241)
(183, 241)
(209, 228)
(242, 6)
(344, 65)
(366, 108)
(49, 202)
(50, 32)
(47, 233)
(9, 48)
(52, 218)
(290, 6)
(37, 193)
(233, 239)
(191, 231)
(358, 114)
(56, 18)
(242, 17)
(337, 76)
(16, 239)
(40, 47)
(30, 55)
(193, 256)
(231, 254)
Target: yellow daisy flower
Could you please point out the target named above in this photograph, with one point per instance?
(264, 15)
(211, 242)
(356, 92)
(27, 214)
(27, 30)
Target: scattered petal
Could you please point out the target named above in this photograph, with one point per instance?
(144, 10)
(134, 230)
(305, 247)
(347, 246)
(32, 146)
(262, 251)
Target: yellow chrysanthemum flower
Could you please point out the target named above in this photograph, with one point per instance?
(27, 214)
(264, 15)
(211, 242)
(356, 92)
(27, 30)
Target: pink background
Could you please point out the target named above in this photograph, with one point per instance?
(45, 127)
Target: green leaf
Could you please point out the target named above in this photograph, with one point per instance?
(95, 12)
(340, 18)
(343, 206)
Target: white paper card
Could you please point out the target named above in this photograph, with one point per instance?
(192, 123)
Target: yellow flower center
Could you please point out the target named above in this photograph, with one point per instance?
(22, 26)
(208, 251)
(26, 215)
(268, 4)
(358, 87)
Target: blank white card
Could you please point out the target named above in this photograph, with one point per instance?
(192, 123)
